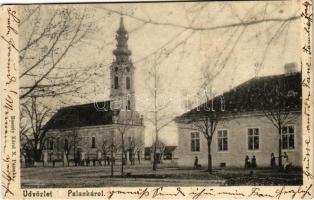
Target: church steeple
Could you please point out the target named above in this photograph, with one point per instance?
(122, 71)
(122, 52)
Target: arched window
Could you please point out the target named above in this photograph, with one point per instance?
(51, 144)
(128, 83)
(116, 82)
(57, 145)
(129, 105)
(66, 144)
(93, 142)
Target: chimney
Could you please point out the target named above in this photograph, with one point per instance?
(290, 68)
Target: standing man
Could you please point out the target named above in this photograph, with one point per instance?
(196, 162)
(247, 163)
(272, 161)
(253, 162)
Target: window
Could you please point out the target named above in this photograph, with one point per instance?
(287, 137)
(93, 142)
(253, 139)
(222, 140)
(57, 145)
(195, 141)
(129, 140)
(66, 144)
(116, 82)
(129, 105)
(51, 144)
(167, 156)
(128, 83)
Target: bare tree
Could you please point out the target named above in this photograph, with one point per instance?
(197, 21)
(159, 148)
(206, 124)
(37, 116)
(204, 119)
(279, 99)
(71, 141)
(26, 150)
(115, 146)
(158, 113)
(135, 146)
(125, 120)
(104, 147)
(50, 33)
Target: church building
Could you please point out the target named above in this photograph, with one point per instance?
(96, 131)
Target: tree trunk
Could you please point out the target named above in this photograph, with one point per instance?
(68, 162)
(111, 163)
(209, 167)
(155, 151)
(154, 159)
(122, 157)
(279, 153)
(37, 155)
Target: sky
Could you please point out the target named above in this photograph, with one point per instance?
(193, 41)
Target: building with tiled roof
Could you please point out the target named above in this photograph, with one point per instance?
(247, 124)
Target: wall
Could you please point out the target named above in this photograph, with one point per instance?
(237, 143)
(100, 133)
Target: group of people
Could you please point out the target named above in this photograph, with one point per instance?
(250, 163)
(285, 161)
(86, 162)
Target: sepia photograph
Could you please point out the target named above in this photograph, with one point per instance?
(159, 94)
(119, 95)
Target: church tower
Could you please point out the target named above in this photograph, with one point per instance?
(122, 72)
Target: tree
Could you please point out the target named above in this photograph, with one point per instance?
(206, 122)
(125, 120)
(71, 141)
(160, 149)
(160, 116)
(104, 147)
(136, 146)
(49, 34)
(26, 151)
(114, 146)
(36, 115)
(279, 98)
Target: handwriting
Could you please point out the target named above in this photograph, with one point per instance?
(6, 176)
(201, 193)
(302, 192)
(9, 163)
(158, 192)
(197, 194)
(12, 14)
(309, 19)
(140, 193)
(306, 84)
(256, 193)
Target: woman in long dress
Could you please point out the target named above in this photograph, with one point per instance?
(285, 161)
